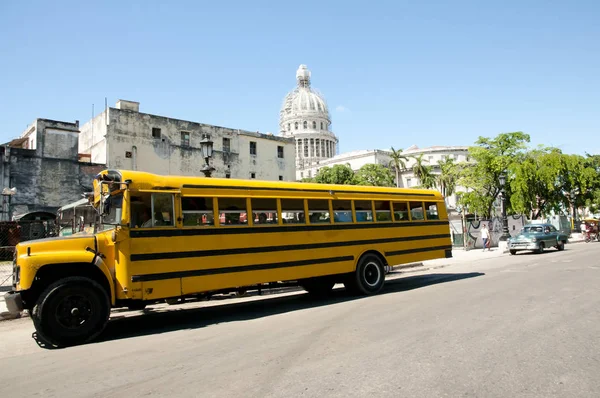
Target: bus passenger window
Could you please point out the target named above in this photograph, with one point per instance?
(162, 206)
(197, 211)
(233, 211)
(383, 211)
(363, 210)
(400, 211)
(342, 211)
(265, 211)
(318, 211)
(416, 211)
(292, 211)
(432, 211)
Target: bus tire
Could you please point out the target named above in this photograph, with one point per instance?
(71, 311)
(369, 276)
(318, 287)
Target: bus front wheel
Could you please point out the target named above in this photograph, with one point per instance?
(369, 276)
(71, 311)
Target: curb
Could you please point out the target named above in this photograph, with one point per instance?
(7, 316)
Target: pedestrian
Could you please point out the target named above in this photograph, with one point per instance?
(485, 236)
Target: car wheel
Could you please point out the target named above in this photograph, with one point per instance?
(561, 245)
(513, 252)
(540, 248)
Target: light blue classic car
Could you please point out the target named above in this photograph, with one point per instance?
(537, 237)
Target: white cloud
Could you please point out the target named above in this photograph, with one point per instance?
(341, 109)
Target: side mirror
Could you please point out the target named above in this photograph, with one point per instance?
(105, 205)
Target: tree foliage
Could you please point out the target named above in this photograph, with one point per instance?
(535, 185)
(491, 157)
(398, 163)
(338, 174)
(374, 175)
(423, 172)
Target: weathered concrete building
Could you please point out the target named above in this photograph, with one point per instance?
(44, 169)
(123, 137)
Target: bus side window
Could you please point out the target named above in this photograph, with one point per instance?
(162, 207)
(432, 211)
(342, 210)
(233, 211)
(400, 211)
(292, 211)
(416, 211)
(264, 211)
(363, 210)
(318, 211)
(197, 211)
(383, 211)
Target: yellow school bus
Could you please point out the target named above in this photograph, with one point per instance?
(167, 237)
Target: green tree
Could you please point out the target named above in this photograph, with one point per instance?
(535, 187)
(423, 172)
(491, 157)
(338, 174)
(398, 163)
(375, 175)
(449, 174)
(578, 178)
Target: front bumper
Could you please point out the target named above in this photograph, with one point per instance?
(523, 245)
(14, 302)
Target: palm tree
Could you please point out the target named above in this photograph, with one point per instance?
(448, 176)
(397, 163)
(423, 172)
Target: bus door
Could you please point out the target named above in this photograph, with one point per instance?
(153, 228)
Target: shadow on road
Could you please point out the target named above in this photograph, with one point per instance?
(193, 318)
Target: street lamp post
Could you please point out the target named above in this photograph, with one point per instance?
(505, 235)
(206, 145)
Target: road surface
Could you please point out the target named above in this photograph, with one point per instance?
(511, 326)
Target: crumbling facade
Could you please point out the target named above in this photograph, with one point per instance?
(41, 170)
(124, 138)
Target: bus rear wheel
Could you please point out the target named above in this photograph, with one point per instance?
(369, 276)
(71, 311)
(318, 287)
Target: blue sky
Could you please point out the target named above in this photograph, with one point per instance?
(394, 73)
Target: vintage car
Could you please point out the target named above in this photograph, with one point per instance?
(537, 237)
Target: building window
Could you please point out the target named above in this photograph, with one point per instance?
(305, 125)
(226, 145)
(252, 175)
(321, 125)
(227, 175)
(315, 125)
(280, 152)
(296, 126)
(289, 127)
(280, 178)
(408, 183)
(252, 147)
(301, 174)
(185, 138)
(155, 132)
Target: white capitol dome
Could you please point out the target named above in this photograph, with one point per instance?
(305, 116)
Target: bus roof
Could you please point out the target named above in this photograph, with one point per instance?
(144, 180)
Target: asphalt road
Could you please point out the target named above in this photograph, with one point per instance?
(518, 326)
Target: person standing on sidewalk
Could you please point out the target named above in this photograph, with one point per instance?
(485, 236)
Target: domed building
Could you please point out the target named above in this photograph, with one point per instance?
(305, 117)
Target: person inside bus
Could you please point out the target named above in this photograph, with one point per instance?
(262, 218)
(146, 219)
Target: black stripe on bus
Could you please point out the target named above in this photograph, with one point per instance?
(418, 250)
(191, 186)
(270, 249)
(160, 233)
(238, 268)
